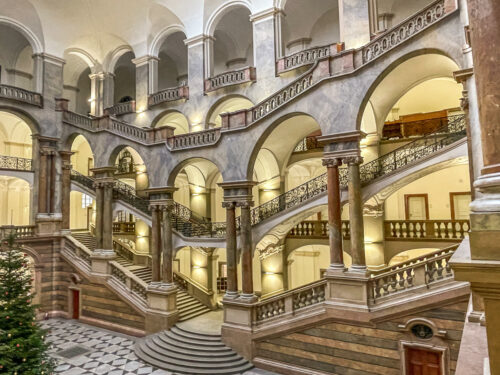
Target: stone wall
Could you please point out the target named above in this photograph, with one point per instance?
(340, 348)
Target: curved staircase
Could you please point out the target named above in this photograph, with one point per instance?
(183, 351)
(188, 306)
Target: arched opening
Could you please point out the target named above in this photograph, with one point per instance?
(16, 59)
(172, 67)
(404, 106)
(176, 120)
(131, 231)
(310, 23)
(15, 198)
(198, 189)
(271, 169)
(224, 106)
(77, 83)
(82, 203)
(124, 83)
(233, 45)
(131, 170)
(15, 136)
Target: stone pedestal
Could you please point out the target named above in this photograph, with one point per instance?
(349, 289)
(100, 262)
(162, 301)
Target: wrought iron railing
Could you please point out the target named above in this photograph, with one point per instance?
(400, 157)
(15, 163)
(21, 95)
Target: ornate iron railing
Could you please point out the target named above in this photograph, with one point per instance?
(121, 108)
(234, 77)
(193, 140)
(86, 181)
(404, 31)
(21, 95)
(307, 144)
(169, 95)
(400, 157)
(15, 163)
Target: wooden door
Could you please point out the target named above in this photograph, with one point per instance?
(423, 362)
(76, 303)
(416, 207)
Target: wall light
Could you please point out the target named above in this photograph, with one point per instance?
(90, 100)
(269, 273)
(197, 267)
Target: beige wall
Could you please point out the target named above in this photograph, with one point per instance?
(14, 201)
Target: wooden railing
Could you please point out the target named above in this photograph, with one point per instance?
(21, 95)
(233, 77)
(121, 108)
(290, 301)
(306, 57)
(169, 95)
(451, 230)
(193, 140)
(419, 272)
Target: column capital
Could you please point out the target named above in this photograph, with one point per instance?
(229, 205)
(162, 205)
(144, 60)
(353, 160)
(46, 141)
(331, 162)
(161, 193)
(103, 172)
(198, 39)
(265, 14)
(66, 155)
(342, 145)
(238, 191)
(245, 204)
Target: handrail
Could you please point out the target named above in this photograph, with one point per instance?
(169, 95)
(230, 78)
(195, 139)
(15, 163)
(21, 231)
(121, 108)
(22, 95)
(306, 57)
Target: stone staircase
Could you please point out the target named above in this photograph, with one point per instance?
(188, 306)
(187, 352)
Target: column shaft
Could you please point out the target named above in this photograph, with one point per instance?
(155, 244)
(107, 224)
(42, 184)
(356, 216)
(334, 215)
(99, 206)
(168, 247)
(66, 194)
(232, 271)
(50, 187)
(53, 185)
(246, 251)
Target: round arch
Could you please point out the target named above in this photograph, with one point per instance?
(172, 118)
(179, 167)
(25, 116)
(154, 49)
(221, 11)
(30, 36)
(229, 103)
(113, 57)
(422, 70)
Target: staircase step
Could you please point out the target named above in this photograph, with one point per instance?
(186, 352)
(183, 318)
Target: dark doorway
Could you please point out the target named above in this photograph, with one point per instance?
(423, 362)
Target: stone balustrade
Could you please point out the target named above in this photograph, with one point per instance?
(120, 108)
(404, 30)
(418, 272)
(316, 229)
(78, 120)
(448, 230)
(21, 231)
(78, 252)
(233, 77)
(307, 57)
(128, 280)
(169, 95)
(192, 140)
(15, 163)
(21, 95)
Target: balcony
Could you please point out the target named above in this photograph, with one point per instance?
(120, 108)
(307, 57)
(193, 140)
(234, 77)
(169, 95)
(21, 95)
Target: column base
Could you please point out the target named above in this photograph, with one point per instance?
(335, 269)
(248, 298)
(230, 295)
(48, 224)
(358, 269)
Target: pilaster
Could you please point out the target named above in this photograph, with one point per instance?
(146, 80)
(200, 55)
(354, 20)
(264, 46)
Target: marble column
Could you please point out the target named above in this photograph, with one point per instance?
(96, 105)
(356, 215)
(144, 77)
(107, 217)
(231, 258)
(42, 182)
(168, 246)
(354, 20)
(246, 251)
(99, 208)
(334, 215)
(264, 47)
(66, 188)
(107, 90)
(104, 182)
(278, 34)
(197, 67)
(38, 73)
(155, 243)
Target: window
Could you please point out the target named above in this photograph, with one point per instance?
(86, 201)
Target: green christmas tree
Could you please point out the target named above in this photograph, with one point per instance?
(23, 350)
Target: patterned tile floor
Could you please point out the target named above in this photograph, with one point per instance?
(81, 349)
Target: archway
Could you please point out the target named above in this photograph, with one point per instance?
(392, 12)
(130, 168)
(124, 82)
(172, 67)
(225, 105)
(77, 83)
(176, 120)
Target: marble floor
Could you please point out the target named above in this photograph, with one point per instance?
(81, 349)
